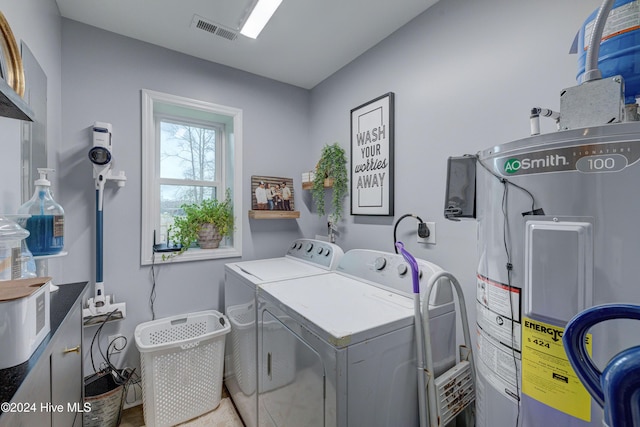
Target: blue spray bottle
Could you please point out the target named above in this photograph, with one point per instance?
(46, 221)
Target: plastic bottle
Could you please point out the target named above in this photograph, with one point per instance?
(46, 223)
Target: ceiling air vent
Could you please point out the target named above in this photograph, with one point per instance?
(213, 28)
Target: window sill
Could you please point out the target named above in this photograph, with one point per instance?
(194, 254)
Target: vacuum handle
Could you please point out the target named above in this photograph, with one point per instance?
(574, 341)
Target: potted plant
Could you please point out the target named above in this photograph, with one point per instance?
(332, 168)
(206, 223)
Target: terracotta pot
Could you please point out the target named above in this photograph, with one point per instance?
(209, 237)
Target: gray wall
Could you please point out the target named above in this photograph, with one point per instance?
(465, 75)
(103, 74)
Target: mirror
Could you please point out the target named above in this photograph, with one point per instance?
(33, 134)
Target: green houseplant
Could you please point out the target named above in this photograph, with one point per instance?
(206, 223)
(332, 167)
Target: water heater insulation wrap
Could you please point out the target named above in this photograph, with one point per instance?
(620, 47)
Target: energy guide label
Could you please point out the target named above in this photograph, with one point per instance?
(547, 375)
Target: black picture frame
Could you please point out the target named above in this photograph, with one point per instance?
(372, 157)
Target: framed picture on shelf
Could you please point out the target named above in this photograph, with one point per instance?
(372, 127)
(272, 193)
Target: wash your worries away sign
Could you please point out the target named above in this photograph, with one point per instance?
(372, 157)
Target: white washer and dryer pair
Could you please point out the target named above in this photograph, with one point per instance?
(338, 349)
(304, 258)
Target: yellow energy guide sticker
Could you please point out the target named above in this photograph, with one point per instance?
(547, 375)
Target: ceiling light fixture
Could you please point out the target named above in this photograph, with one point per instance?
(262, 11)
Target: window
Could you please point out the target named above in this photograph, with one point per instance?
(191, 150)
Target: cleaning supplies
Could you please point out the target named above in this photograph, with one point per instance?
(46, 223)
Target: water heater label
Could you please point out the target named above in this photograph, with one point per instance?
(606, 157)
(622, 19)
(498, 340)
(502, 299)
(547, 375)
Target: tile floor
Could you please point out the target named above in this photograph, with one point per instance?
(225, 415)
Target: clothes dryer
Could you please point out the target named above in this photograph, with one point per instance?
(304, 258)
(350, 348)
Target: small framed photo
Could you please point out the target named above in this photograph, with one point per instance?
(372, 127)
(272, 193)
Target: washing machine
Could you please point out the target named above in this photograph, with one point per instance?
(304, 258)
(339, 349)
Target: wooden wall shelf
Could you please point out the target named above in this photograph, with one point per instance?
(274, 214)
(328, 183)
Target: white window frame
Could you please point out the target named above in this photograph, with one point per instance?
(229, 176)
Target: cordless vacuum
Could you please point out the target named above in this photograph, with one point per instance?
(101, 307)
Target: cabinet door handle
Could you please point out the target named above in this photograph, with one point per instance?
(75, 349)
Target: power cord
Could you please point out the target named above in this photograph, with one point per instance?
(120, 376)
(423, 230)
(152, 296)
(97, 336)
(506, 238)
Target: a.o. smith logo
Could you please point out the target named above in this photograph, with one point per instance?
(605, 157)
(550, 162)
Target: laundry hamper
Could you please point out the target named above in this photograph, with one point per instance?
(243, 344)
(182, 361)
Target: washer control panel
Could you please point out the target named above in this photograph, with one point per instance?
(386, 269)
(318, 252)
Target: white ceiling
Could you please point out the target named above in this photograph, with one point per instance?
(304, 43)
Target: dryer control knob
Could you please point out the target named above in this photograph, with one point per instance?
(320, 251)
(309, 247)
(327, 252)
(380, 263)
(402, 269)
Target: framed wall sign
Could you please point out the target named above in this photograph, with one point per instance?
(372, 157)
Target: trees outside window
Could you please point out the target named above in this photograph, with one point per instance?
(191, 152)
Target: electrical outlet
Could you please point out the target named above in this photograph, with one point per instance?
(432, 234)
(119, 343)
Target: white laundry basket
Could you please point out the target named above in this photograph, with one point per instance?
(182, 361)
(243, 345)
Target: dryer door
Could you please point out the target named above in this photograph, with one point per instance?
(291, 387)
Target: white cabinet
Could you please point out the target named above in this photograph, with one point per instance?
(51, 392)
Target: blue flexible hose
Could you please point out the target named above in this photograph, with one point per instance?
(617, 388)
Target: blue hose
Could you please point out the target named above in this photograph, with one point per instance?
(617, 388)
